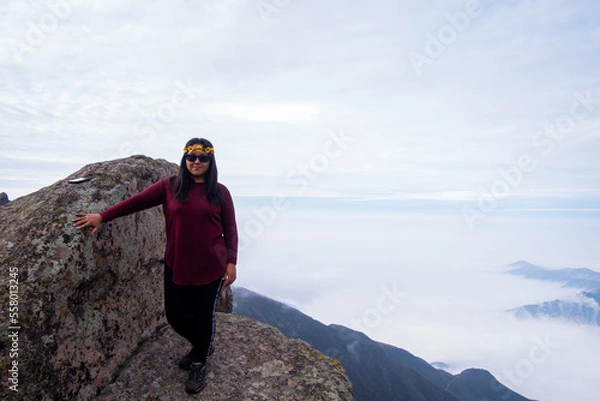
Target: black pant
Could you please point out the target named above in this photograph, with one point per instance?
(190, 311)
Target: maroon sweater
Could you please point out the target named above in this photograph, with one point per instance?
(201, 237)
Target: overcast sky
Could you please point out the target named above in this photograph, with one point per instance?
(435, 97)
(479, 120)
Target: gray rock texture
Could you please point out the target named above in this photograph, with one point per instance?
(82, 308)
(84, 302)
(252, 361)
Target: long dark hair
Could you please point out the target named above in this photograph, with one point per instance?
(183, 183)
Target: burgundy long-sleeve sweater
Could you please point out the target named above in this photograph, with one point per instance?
(201, 238)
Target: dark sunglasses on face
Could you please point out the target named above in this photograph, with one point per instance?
(202, 158)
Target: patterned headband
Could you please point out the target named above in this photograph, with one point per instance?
(199, 148)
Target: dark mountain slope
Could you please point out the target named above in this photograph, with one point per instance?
(377, 371)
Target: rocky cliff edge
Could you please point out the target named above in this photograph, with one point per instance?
(84, 314)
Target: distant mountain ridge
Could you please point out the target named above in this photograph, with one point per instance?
(582, 277)
(377, 371)
(585, 308)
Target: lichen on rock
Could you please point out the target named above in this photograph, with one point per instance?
(251, 361)
(88, 305)
(84, 301)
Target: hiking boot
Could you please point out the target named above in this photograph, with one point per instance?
(186, 362)
(196, 378)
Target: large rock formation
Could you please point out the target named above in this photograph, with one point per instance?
(84, 302)
(81, 306)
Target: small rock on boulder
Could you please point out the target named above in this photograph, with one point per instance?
(3, 198)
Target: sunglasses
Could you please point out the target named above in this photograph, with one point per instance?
(202, 158)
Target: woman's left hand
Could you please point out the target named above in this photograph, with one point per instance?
(230, 274)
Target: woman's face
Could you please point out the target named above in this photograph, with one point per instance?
(197, 168)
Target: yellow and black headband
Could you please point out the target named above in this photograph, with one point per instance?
(199, 148)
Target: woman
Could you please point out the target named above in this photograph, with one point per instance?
(201, 253)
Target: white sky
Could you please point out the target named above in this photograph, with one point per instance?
(100, 80)
(484, 111)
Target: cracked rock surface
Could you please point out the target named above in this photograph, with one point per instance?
(90, 306)
(251, 361)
